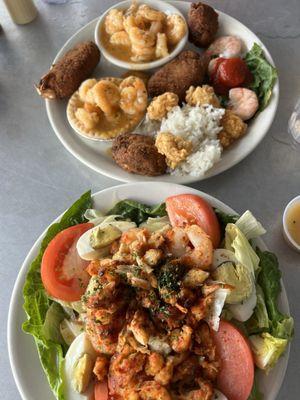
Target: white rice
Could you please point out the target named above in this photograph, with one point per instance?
(201, 126)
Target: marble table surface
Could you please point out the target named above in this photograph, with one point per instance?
(39, 178)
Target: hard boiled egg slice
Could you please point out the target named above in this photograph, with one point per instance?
(77, 371)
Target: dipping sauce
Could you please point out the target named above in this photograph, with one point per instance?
(141, 34)
(293, 221)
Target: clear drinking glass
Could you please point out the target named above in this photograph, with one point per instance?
(294, 125)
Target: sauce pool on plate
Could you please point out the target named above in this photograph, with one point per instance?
(293, 222)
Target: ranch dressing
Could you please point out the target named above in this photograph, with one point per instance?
(21, 11)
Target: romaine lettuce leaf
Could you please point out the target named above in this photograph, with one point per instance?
(236, 241)
(225, 219)
(249, 225)
(137, 212)
(259, 322)
(282, 326)
(37, 303)
(255, 393)
(264, 75)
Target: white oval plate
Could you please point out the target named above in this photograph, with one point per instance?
(95, 154)
(27, 371)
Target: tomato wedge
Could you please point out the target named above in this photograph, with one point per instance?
(62, 270)
(236, 374)
(101, 391)
(185, 209)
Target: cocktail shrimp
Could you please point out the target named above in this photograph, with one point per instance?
(175, 28)
(226, 46)
(107, 96)
(114, 21)
(133, 95)
(243, 102)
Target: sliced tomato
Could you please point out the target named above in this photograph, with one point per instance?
(101, 391)
(236, 374)
(187, 209)
(63, 271)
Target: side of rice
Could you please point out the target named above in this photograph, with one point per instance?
(200, 125)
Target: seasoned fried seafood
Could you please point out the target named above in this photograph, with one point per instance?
(161, 105)
(202, 95)
(138, 154)
(67, 74)
(203, 24)
(141, 34)
(233, 128)
(146, 306)
(178, 75)
(107, 107)
(174, 148)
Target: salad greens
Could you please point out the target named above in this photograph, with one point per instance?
(225, 219)
(282, 326)
(37, 303)
(255, 393)
(137, 212)
(259, 322)
(264, 75)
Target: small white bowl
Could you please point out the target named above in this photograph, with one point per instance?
(290, 241)
(159, 5)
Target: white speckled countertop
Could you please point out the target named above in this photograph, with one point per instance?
(39, 178)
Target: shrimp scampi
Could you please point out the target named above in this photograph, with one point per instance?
(114, 21)
(175, 28)
(107, 96)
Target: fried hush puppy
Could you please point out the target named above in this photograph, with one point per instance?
(203, 24)
(64, 77)
(137, 154)
(187, 69)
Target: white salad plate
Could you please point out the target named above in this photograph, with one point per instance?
(26, 368)
(96, 155)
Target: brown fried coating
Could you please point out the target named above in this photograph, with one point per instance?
(203, 24)
(137, 154)
(64, 77)
(233, 129)
(187, 69)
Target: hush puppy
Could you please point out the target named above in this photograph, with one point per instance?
(203, 24)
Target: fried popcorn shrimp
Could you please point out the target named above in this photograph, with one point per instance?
(202, 95)
(161, 105)
(181, 339)
(173, 147)
(154, 364)
(233, 129)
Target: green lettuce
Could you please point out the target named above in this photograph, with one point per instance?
(264, 75)
(37, 303)
(137, 212)
(237, 242)
(282, 326)
(259, 322)
(255, 393)
(225, 219)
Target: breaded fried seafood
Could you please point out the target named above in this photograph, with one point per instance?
(66, 75)
(177, 76)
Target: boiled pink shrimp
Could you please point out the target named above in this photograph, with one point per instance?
(226, 46)
(243, 102)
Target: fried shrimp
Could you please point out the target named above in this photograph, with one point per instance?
(243, 102)
(201, 96)
(151, 390)
(114, 21)
(161, 105)
(107, 96)
(174, 148)
(133, 95)
(175, 28)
